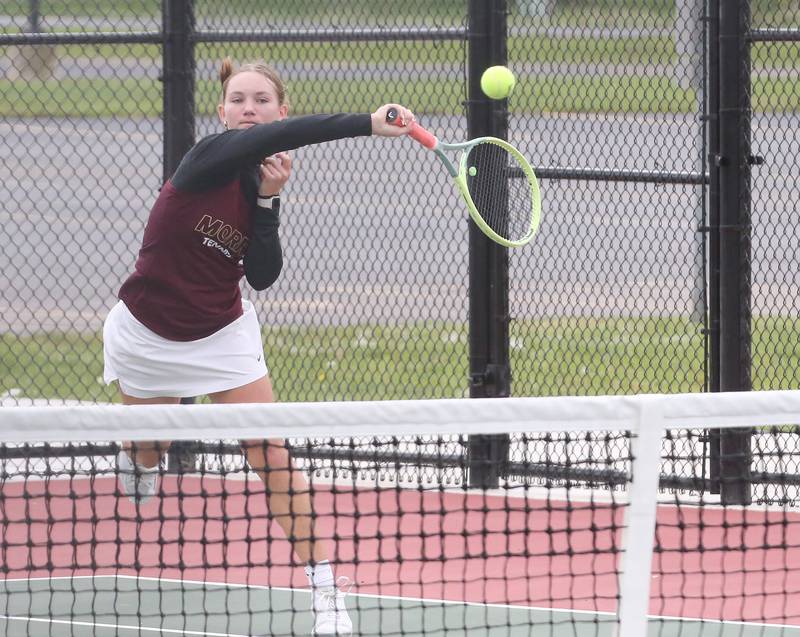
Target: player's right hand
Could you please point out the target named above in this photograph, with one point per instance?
(401, 126)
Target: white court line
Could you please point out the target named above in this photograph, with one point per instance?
(284, 589)
(424, 600)
(118, 627)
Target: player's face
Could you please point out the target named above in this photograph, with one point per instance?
(251, 99)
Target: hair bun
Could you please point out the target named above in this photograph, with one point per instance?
(226, 70)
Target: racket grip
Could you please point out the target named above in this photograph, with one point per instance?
(417, 132)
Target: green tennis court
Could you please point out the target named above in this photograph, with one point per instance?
(108, 605)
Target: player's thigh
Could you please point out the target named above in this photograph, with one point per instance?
(258, 452)
(259, 391)
(159, 400)
(145, 446)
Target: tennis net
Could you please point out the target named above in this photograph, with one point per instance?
(517, 516)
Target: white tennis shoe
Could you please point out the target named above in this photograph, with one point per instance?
(137, 482)
(329, 610)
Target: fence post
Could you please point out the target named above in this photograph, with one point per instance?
(711, 163)
(179, 130)
(688, 35)
(34, 17)
(178, 78)
(32, 61)
(490, 374)
(733, 163)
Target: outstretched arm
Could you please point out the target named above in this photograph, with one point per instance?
(217, 159)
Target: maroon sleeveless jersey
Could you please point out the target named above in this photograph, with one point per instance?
(186, 282)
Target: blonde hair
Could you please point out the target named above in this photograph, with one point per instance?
(227, 71)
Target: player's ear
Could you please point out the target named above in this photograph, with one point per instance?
(283, 111)
(221, 112)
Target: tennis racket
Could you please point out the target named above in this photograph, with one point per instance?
(496, 182)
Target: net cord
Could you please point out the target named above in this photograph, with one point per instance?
(456, 416)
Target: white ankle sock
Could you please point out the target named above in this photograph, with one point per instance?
(320, 575)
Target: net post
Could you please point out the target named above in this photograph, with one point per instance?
(640, 524)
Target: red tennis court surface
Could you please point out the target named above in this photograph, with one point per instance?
(711, 563)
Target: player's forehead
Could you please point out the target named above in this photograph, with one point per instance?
(251, 83)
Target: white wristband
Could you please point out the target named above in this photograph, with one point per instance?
(267, 202)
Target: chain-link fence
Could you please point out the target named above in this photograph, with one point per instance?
(613, 292)
(623, 108)
(372, 302)
(775, 94)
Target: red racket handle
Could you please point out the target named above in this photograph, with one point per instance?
(423, 136)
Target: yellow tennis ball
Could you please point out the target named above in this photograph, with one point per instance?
(497, 82)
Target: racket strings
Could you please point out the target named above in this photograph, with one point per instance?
(500, 190)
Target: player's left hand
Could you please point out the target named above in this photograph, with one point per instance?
(275, 171)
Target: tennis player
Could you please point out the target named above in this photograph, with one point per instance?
(181, 327)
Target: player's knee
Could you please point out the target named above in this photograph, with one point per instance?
(266, 454)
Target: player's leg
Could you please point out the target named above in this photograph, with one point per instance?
(289, 497)
(138, 462)
(290, 504)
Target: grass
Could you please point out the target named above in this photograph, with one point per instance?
(586, 89)
(143, 98)
(53, 365)
(542, 49)
(298, 9)
(618, 12)
(553, 94)
(607, 356)
(569, 356)
(584, 86)
(81, 98)
(630, 51)
(329, 363)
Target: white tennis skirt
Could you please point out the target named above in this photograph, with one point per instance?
(149, 366)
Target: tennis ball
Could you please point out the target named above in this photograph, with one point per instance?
(472, 171)
(497, 82)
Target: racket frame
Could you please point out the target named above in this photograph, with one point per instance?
(459, 175)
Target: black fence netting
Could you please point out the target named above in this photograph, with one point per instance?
(613, 105)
